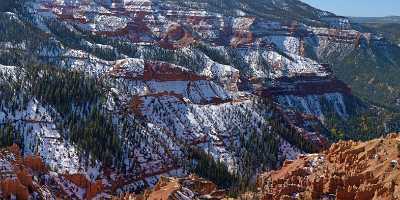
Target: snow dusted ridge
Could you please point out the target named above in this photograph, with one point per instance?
(41, 136)
(284, 67)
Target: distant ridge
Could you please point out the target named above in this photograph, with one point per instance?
(388, 19)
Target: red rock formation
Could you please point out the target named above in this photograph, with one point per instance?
(241, 39)
(15, 187)
(136, 105)
(175, 32)
(306, 85)
(348, 171)
(80, 180)
(93, 189)
(36, 163)
(166, 72)
(25, 178)
(16, 178)
(14, 149)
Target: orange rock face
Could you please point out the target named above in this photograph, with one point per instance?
(35, 163)
(347, 171)
(15, 178)
(14, 187)
(78, 179)
(25, 178)
(92, 188)
(181, 188)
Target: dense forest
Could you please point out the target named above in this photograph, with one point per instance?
(76, 97)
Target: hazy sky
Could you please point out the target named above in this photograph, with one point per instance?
(362, 8)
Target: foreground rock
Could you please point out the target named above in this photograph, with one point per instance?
(18, 176)
(348, 170)
(27, 177)
(191, 187)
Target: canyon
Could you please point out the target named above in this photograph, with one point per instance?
(115, 96)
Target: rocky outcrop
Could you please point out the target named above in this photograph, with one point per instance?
(307, 85)
(16, 178)
(92, 188)
(36, 163)
(191, 187)
(166, 72)
(348, 170)
(146, 70)
(14, 187)
(78, 179)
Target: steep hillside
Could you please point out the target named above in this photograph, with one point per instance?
(388, 30)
